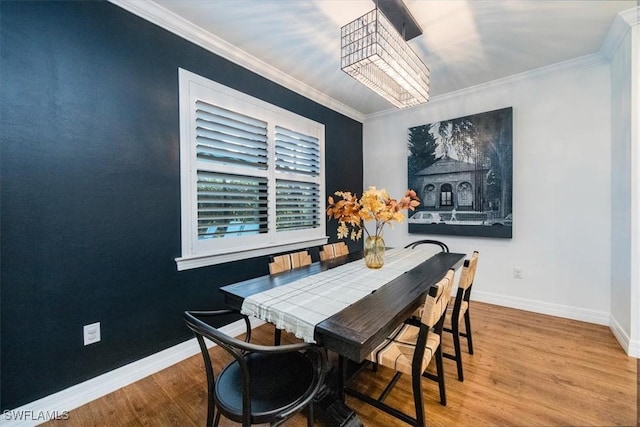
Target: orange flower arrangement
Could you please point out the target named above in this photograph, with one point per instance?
(373, 205)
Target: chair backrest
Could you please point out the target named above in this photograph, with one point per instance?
(202, 330)
(435, 305)
(443, 246)
(250, 359)
(333, 250)
(289, 261)
(465, 283)
(468, 272)
(195, 322)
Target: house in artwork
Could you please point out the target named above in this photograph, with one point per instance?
(450, 184)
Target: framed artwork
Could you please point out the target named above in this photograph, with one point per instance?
(462, 170)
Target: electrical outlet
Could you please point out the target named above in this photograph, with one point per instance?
(518, 272)
(91, 333)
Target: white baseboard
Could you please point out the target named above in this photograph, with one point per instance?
(619, 332)
(631, 347)
(58, 404)
(568, 312)
(42, 410)
(634, 349)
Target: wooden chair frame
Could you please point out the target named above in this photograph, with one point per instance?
(442, 245)
(242, 351)
(333, 250)
(463, 295)
(416, 369)
(285, 262)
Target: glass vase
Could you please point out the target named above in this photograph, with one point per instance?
(374, 251)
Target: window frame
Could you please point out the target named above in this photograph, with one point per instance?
(203, 252)
(446, 195)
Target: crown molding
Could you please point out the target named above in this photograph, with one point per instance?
(618, 30)
(168, 20)
(586, 61)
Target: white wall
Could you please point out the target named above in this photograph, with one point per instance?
(562, 185)
(621, 188)
(624, 42)
(634, 300)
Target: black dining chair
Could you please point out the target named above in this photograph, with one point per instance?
(262, 384)
(286, 262)
(443, 246)
(459, 312)
(280, 263)
(410, 349)
(333, 250)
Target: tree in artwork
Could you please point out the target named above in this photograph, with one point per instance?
(465, 164)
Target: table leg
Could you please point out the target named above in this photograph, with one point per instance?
(343, 377)
(331, 399)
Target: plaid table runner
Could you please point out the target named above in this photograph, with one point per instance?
(298, 306)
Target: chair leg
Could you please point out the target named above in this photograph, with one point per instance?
(467, 326)
(455, 332)
(211, 409)
(217, 421)
(310, 415)
(440, 371)
(416, 381)
(277, 336)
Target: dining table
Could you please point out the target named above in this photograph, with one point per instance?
(343, 306)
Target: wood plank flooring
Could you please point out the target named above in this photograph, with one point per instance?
(528, 370)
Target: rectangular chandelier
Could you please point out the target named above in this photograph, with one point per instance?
(375, 54)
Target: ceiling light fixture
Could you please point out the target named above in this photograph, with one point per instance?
(377, 55)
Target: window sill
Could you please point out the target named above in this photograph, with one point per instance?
(195, 261)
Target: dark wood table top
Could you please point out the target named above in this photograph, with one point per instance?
(356, 330)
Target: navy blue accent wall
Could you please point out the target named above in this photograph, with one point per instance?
(90, 189)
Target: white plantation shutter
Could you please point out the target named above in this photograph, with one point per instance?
(227, 137)
(297, 205)
(252, 176)
(231, 205)
(297, 152)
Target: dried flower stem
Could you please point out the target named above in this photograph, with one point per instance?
(351, 212)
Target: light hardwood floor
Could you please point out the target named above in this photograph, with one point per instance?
(528, 370)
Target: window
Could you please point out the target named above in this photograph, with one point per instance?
(429, 197)
(446, 195)
(252, 176)
(465, 194)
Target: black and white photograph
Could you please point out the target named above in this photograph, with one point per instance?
(301, 213)
(462, 171)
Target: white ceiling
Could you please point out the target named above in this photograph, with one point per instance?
(464, 43)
